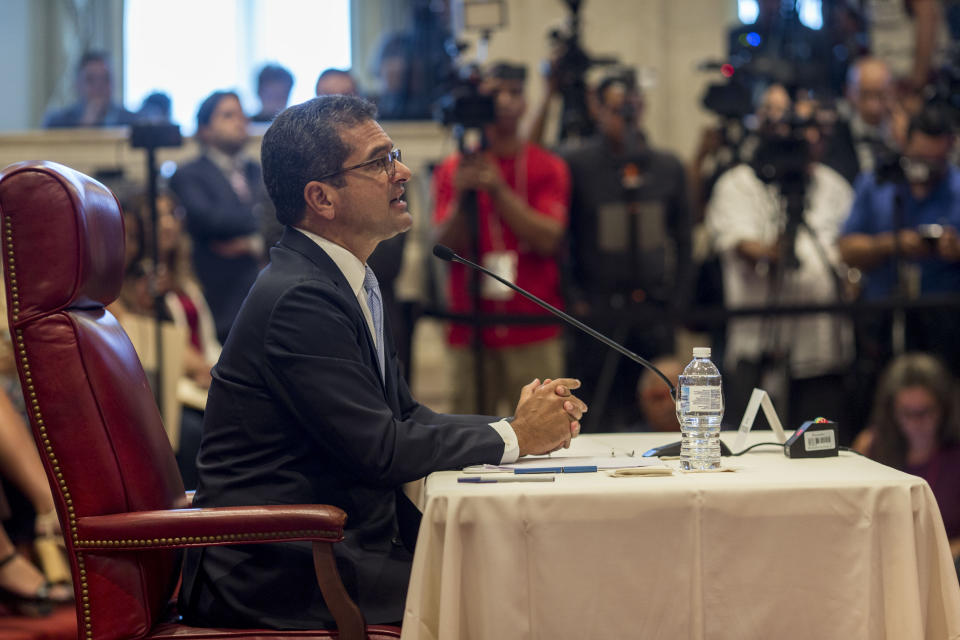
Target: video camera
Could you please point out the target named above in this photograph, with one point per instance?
(462, 105)
(783, 159)
(945, 90)
(569, 69)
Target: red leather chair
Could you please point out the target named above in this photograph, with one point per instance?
(119, 495)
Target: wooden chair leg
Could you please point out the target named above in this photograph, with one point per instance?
(346, 613)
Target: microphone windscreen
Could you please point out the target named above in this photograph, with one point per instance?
(444, 252)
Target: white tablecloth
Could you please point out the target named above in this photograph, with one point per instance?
(781, 548)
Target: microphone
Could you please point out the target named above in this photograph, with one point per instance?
(447, 254)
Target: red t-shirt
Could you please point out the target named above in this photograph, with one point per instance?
(543, 180)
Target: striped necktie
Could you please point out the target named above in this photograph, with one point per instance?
(375, 303)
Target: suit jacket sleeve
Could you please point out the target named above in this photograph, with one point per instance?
(316, 349)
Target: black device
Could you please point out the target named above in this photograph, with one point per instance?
(783, 159)
(155, 136)
(673, 449)
(945, 90)
(570, 70)
(463, 105)
(814, 439)
(447, 254)
(931, 234)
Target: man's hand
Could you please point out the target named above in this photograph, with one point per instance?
(547, 416)
(476, 171)
(948, 245)
(912, 245)
(755, 251)
(94, 111)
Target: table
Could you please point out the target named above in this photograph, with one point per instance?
(824, 548)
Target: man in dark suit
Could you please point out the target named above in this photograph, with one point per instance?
(222, 192)
(307, 403)
(866, 135)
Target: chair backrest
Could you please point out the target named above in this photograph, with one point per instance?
(90, 406)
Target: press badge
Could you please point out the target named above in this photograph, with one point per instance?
(504, 264)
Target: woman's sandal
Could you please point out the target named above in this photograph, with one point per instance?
(40, 603)
(50, 549)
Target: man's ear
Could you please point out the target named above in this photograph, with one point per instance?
(320, 197)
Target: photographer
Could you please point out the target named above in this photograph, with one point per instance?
(894, 220)
(765, 264)
(522, 194)
(630, 242)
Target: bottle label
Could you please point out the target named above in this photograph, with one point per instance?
(700, 398)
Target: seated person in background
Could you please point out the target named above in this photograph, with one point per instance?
(24, 589)
(799, 360)
(94, 106)
(336, 82)
(274, 84)
(156, 109)
(307, 405)
(657, 408)
(183, 305)
(223, 194)
(916, 428)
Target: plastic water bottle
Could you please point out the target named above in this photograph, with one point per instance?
(699, 410)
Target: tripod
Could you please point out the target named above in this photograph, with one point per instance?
(151, 137)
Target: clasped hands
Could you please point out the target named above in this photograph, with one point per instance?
(914, 246)
(547, 416)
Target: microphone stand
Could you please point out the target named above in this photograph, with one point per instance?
(445, 253)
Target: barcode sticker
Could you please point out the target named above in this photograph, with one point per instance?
(700, 398)
(819, 440)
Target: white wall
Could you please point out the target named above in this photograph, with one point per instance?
(15, 49)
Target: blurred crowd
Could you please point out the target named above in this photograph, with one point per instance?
(812, 241)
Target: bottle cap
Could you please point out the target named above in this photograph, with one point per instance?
(701, 352)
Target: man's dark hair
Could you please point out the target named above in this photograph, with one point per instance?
(332, 71)
(507, 71)
(94, 55)
(274, 73)
(933, 120)
(621, 79)
(208, 106)
(304, 143)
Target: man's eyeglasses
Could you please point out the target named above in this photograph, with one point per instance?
(388, 163)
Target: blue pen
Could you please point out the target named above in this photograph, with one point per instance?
(520, 470)
(580, 469)
(504, 478)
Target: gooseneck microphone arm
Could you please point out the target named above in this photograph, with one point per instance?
(446, 253)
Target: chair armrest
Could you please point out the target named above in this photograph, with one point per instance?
(180, 528)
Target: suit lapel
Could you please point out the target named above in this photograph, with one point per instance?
(296, 241)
